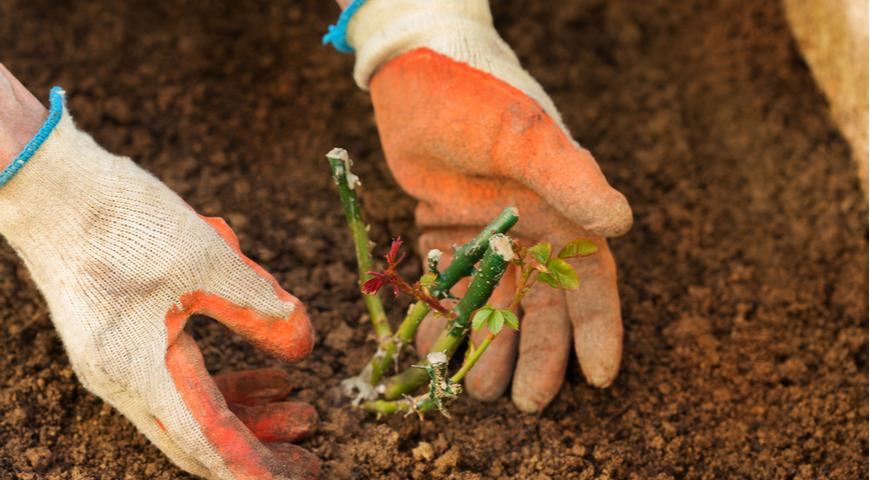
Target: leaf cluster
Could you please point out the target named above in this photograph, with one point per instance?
(556, 271)
(495, 319)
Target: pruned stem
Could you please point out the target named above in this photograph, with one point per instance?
(472, 359)
(419, 404)
(525, 284)
(339, 164)
(411, 322)
(423, 403)
(483, 282)
(461, 265)
(386, 407)
(468, 254)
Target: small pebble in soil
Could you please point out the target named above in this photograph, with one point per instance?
(423, 451)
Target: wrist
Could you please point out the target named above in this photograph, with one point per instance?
(383, 29)
(461, 30)
(54, 184)
(26, 134)
(337, 34)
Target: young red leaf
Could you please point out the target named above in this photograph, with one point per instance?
(374, 284)
(378, 281)
(393, 257)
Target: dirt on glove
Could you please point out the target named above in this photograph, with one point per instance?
(744, 280)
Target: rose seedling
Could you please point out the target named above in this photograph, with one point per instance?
(485, 259)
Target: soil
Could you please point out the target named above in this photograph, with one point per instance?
(744, 280)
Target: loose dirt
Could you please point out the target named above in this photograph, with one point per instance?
(744, 281)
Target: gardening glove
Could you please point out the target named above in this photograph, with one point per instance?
(123, 263)
(468, 132)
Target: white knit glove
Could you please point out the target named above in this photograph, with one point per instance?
(123, 262)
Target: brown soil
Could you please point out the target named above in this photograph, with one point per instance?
(744, 280)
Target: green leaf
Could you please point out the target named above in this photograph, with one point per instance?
(563, 274)
(428, 280)
(578, 248)
(481, 317)
(548, 279)
(541, 252)
(496, 322)
(510, 319)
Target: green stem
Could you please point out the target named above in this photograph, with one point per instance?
(525, 284)
(468, 254)
(472, 359)
(461, 265)
(388, 407)
(380, 363)
(385, 407)
(412, 320)
(483, 282)
(339, 164)
(423, 403)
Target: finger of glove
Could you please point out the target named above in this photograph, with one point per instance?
(491, 375)
(545, 344)
(595, 314)
(452, 200)
(278, 421)
(254, 387)
(281, 327)
(481, 126)
(543, 159)
(236, 447)
(289, 457)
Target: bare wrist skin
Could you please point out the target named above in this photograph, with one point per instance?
(21, 116)
(343, 3)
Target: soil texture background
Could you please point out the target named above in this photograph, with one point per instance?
(744, 280)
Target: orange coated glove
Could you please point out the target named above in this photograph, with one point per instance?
(123, 263)
(468, 132)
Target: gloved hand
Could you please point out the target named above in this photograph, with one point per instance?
(123, 263)
(467, 132)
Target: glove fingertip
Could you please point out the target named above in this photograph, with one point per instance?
(600, 377)
(527, 400)
(613, 217)
(295, 461)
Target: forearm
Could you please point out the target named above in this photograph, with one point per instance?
(21, 116)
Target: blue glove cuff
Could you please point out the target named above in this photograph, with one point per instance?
(54, 113)
(337, 34)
